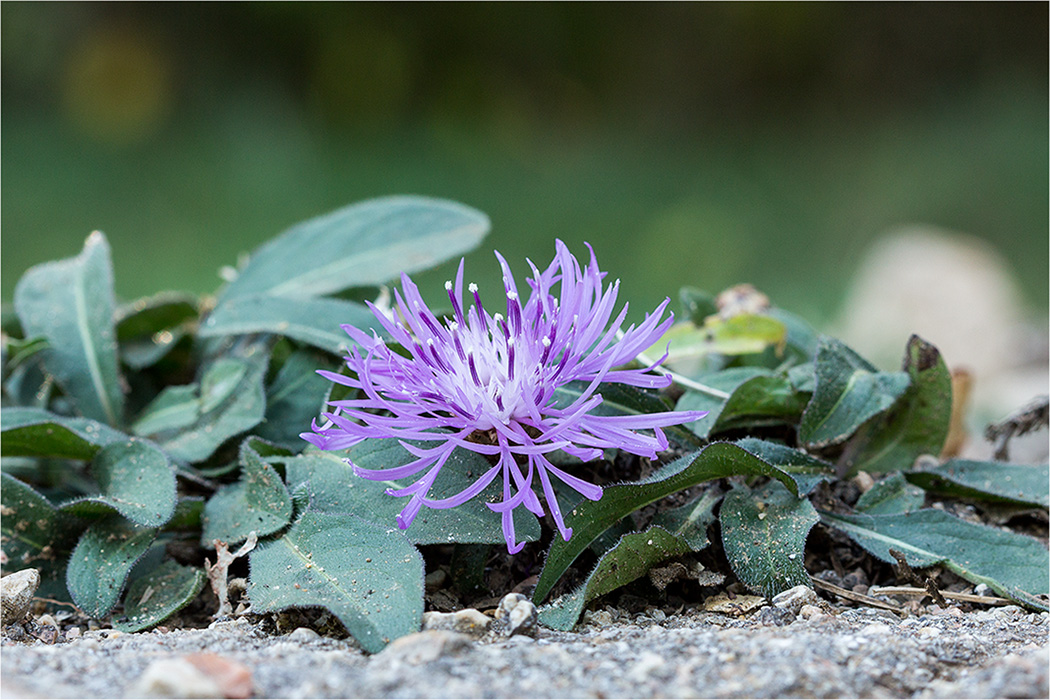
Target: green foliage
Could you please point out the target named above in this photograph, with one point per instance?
(764, 536)
(1014, 566)
(590, 518)
(257, 503)
(162, 592)
(332, 487)
(70, 303)
(174, 419)
(102, 560)
(891, 495)
(136, 480)
(367, 575)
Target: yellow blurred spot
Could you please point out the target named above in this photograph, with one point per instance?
(117, 85)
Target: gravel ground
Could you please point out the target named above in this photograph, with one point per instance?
(852, 652)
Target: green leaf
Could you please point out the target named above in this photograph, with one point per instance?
(147, 316)
(849, 392)
(590, 518)
(728, 381)
(368, 243)
(367, 575)
(801, 341)
(891, 495)
(764, 536)
(312, 321)
(136, 480)
(333, 487)
(805, 469)
(35, 534)
(101, 562)
(35, 432)
(988, 481)
(150, 327)
(689, 522)
(739, 335)
(259, 502)
(232, 399)
(1014, 566)
(70, 302)
(158, 595)
(696, 304)
(294, 398)
(629, 559)
(19, 350)
(919, 423)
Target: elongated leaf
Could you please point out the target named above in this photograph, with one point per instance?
(35, 534)
(35, 432)
(1014, 566)
(590, 518)
(919, 423)
(259, 502)
(849, 391)
(333, 487)
(70, 302)
(891, 495)
(368, 243)
(158, 595)
(231, 400)
(367, 575)
(989, 481)
(696, 304)
(136, 480)
(764, 536)
(690, 343)
(629, 559)
(102, 560)
(294, 398)
(312, 321)
(805, 469)
(728, 381)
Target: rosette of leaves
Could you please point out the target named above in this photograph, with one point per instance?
(132, 432)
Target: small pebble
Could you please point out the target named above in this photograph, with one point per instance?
(423, 647)
(16, 594)
(929, 632)
(175, 678)
(810, 612)
(518, 614)
(794, 599)
(234, 679)
(303, 634)
(466, 621)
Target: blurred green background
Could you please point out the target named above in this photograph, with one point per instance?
(703, 144)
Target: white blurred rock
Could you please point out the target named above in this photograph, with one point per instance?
(175, 678)
(957, 292)
(467, 621)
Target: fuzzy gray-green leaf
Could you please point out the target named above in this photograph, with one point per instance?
(136, 480)
(917, 425)
(294, 398)
(848, 392)
(102, 560)
(891, 495)
(258, 503)
(363, 244)
(158, 595)
(333, 487)
(367, 575)
(1013, 565)
(70, 302)
(312, 321)
(35, 534)
(627, 560)
(987, 481)
(764, 536)
(35, 432)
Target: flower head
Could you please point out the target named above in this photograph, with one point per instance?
(486, 382)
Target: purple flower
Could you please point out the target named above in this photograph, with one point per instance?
(486, 382)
